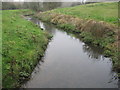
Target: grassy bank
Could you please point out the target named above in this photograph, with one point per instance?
(23, 43)
(95, 23)
(107, 12)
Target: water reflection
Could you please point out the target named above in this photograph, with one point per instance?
(93, 52)
(70, 63)
(44, 26)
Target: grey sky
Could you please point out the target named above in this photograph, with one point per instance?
(58, 0)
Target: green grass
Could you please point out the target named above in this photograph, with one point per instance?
(107, 12)
(22, 44)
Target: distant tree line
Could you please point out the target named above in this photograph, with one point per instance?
(11, 5)
(37, 6)
(43, 6)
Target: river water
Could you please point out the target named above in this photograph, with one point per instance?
(70, 63)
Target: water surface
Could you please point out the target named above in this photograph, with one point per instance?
(70, 63)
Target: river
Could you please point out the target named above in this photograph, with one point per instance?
(70, 63)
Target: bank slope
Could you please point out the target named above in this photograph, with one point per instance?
(107, 12)
(95, 23)
(23, 43)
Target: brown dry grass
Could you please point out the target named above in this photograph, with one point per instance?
(97, 28)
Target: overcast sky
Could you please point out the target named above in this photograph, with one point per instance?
(57, 0)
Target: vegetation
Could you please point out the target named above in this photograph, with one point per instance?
(10, 5)
(107, 12)
(23, 44)
(93, 22)
(36, 6)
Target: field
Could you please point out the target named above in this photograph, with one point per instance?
(23, 43)
(107, 12)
